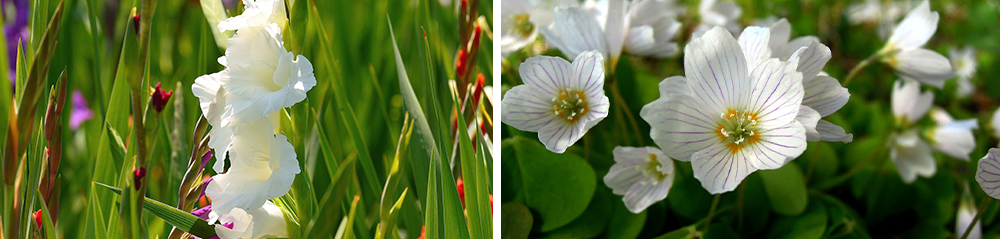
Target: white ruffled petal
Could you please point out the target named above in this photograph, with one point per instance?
(263, 166)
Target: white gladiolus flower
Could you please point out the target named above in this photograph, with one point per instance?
(256, 15)
(520, 20)
(642, 175)
(912, 156)
(952, 137)
(262, 77)
(988, 173)
(559, 100)
(262, 167)
(964, 215)
(964, 62)
(733, 114)
(903, 51)
(267, 221)
(716, 13)
(642, 27)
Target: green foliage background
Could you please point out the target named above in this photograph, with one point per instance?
(345, 133)
(812, 197)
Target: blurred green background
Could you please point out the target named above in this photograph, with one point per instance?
(874, 203)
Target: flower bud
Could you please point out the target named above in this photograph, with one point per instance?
(137, 175)
(160, 98)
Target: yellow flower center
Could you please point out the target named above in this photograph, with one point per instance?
(738, 129)
(570, 105)
(522, 25)
(652, 171)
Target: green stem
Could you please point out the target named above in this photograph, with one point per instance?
(857, 68)
(628, 114)
(715, 203)
(982, 207)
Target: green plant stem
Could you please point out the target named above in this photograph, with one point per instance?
(715, 203)
(628, 114)
(857, 68)
(982, 207)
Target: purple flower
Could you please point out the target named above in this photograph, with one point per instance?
(202, 212)
(15, 29)
(81, 112)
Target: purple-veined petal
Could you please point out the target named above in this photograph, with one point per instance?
(589, 74)
(720, 170)
(626, 177)
(825, 95)
(524, 108)
(673, 85)
(548, 74)
(810, 59)
(717, 71)
(785, 142)
(777, 93)
(808, 117)
(557, 136)
(988, 173)
(754, 42)
(575, 31)
(781, 31)
(681, 125)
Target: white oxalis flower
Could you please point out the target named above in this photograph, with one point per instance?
(267, 221)
(642, 175)
(262, 167)
(964, 62)
(733, 114)
(995, 122)
(908, 104)
(520, 20)
(559, 100)
(912, 156)
(904, 52)
(641, 27)
(965, 214)
(912, 153)
(988, 173)
(718, 13)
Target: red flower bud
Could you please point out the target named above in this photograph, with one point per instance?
(461, 64)
(480, 81)
(475, 37)
(137, 175)
(160, 98)
(38, 218)
(491, 203)
(423, 228)
(461, 191)
(135, 23)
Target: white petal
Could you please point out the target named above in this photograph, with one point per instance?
(786, 51)
(777, 93)
(908, 103)
(781, 31)
(717, 71)
(825, 95)
(786, 142)
(918, 27)
(575, 31)
(832, 133)
(242, 223)
(912, 157)
(995, 122)
(263, 166)
(559, 135)
(965, 213)
(616, 26)
(988, 173)
(627, 178)
(810, 59)
(511, 39)
(940, 116)
(808, 117)
(926, 66)
(681, 125)
(589, 77)
(719, 170)
(524, 108)
(269, 222)
(548, 74)
(955, 139)
(754, 42)
(673, 85)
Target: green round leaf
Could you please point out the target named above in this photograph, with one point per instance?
(785, 189)
(556, 186)
(515, 220)
(811, 223)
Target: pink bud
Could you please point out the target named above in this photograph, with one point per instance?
(137, 175)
